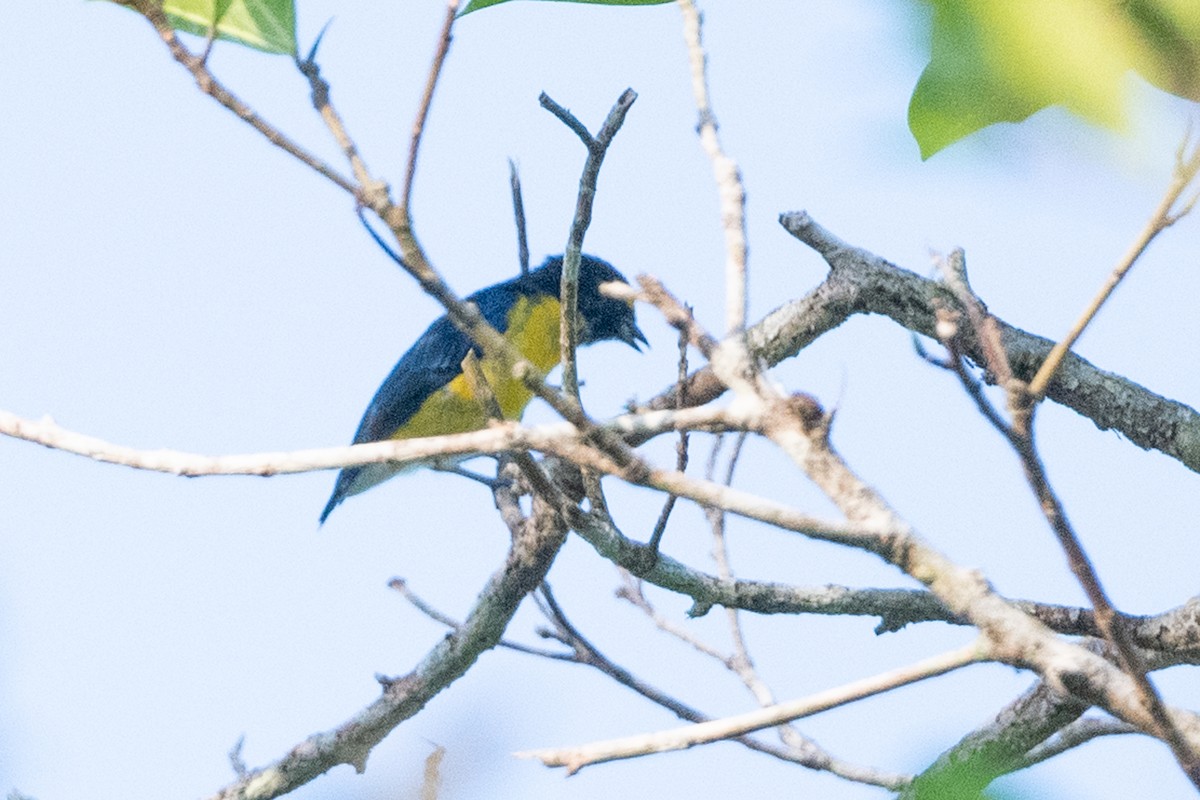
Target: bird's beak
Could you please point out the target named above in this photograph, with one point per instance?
(630, 334)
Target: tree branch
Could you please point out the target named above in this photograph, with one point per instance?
(1014, 638)
(1020, 436)
(534, 546)
(209, 85)
(805, 753)
(576, 758)
(1164, 216)
(725, 170)
(861, 282)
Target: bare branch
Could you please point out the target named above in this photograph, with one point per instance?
(1021, 438)
(1081, 731)
(514, 182)
(209, 85)
(492, 440)
(420, 604)
(576, 758)
(377, 191)
(597, 148)
(435, 71)
(725, 170)
(681, 447)
(805, 753)
(1186, 167)
(861, 282)
(534, 546)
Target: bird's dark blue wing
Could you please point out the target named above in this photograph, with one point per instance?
(431, 363)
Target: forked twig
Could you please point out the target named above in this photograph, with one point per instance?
(1019, 435)
(597, 147)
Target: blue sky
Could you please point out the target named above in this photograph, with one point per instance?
(172, 280)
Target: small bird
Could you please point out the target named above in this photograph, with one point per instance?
(428, 393)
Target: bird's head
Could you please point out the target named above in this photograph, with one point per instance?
(601, 317)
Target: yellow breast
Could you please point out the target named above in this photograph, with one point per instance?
(533, 326)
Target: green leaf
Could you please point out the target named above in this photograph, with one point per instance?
(1002, 61)
(267, 25)
(475, 5)
(1172, 29)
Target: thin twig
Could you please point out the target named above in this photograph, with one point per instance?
(439, 58)
(236, 757)
(373, 192)
(725, 170)
(219, 12)
(681, 447)
(535, 543)
(380, 241)
(740, 662)
(567, 118)
(1019, 435)
(588, 654)
(209, 85)
(597, 148)
(1186, 167)
(514, 181)
(480, 387)
(631, 592)
(1110, 621)
(481, 390)
(948, 331)
(1078, 732)
(420, 604)
(984, 325)
(812, 757)
(431, 779)
(576, 758)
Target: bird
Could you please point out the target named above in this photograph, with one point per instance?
(428, 393)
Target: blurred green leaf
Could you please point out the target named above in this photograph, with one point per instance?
(475, 5)
(1002, 61)
(1172, 29)
(267, 25)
